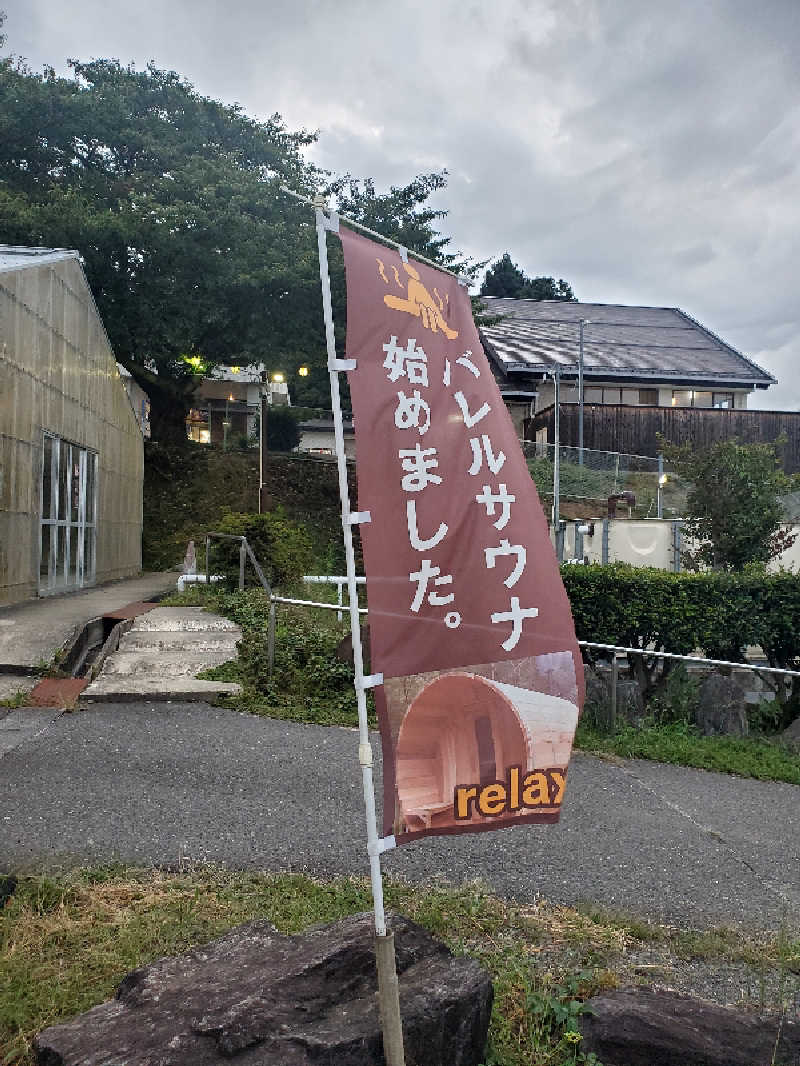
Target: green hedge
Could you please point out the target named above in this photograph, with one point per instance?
(719, 614)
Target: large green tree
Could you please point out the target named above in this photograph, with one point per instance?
(173, 200)
(734, 512)
(504, 278)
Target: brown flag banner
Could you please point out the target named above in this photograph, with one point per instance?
(469, 621)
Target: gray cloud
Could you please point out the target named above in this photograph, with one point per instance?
(646, 152)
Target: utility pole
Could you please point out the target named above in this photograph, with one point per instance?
(584, 322)
(262, 445)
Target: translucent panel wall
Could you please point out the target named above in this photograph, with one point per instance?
(58, 376)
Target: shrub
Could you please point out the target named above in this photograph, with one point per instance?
(282, 547)
(718, 614)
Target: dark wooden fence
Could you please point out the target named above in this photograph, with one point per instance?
(618, 428)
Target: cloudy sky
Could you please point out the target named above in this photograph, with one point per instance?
(648, 152)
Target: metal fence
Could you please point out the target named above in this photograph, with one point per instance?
(585, 478)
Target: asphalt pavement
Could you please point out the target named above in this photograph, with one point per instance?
(172, 783)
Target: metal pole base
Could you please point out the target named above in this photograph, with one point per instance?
(389, 1001)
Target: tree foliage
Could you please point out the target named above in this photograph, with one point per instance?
(504, 278)
(173, 200)
(733, 510)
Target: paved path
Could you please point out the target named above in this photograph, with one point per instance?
(32, 633)
(147, 783)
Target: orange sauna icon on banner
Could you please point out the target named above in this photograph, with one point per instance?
(418, 301)
(470, 748)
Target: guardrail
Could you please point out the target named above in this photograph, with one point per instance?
(340, 582)
(614, 649)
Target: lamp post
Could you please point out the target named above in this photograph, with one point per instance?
(584, 322)
(226, 424)
(279, 378)
(557, 446)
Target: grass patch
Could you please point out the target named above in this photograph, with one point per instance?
(681, 744)
(66, 942)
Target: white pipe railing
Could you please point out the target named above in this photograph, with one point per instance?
(340, 582)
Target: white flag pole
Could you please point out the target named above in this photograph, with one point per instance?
(388, 995)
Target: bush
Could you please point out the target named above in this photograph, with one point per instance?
(282, 547)
(308, 682)
(718, 614)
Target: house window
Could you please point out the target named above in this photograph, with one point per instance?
(593, 395)
(648, 397)
(723, 400)
(691, 398)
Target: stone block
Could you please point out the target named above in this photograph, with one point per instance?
(721, 709)
(259, 998)
(650, 1027)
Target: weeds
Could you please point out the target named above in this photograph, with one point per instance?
(65, 943)
(308, 681)
(17, 699)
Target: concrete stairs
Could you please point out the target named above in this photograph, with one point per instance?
(160, 656)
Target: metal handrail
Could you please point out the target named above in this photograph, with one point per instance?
(689, 658)
(339, 581)
(245, 552)
(614, 648)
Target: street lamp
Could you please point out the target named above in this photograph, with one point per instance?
(662, 480)
(226, 424)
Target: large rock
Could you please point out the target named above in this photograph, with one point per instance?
(630, 704)
(722, 706)
(598, 700)
(645, 1027)
(257, 998)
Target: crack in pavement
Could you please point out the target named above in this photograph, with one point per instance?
(775, 888)
(13, 736)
